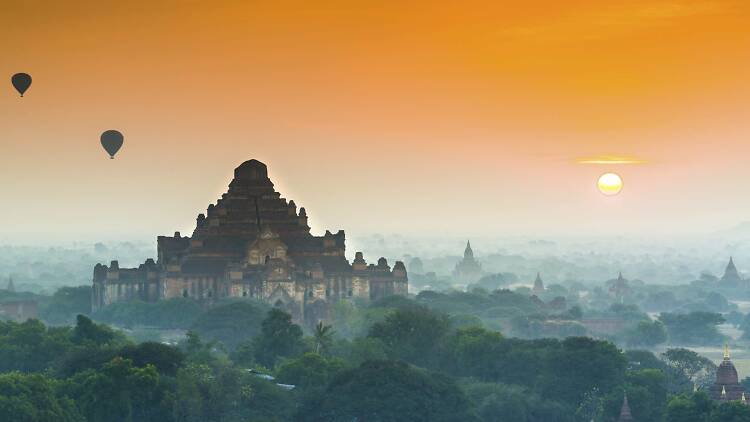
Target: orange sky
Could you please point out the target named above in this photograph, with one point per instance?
(457, 118)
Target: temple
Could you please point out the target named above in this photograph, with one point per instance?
(619, 287)
(252, 243)
(625, 415)
(727, 386)
(731, 275)
(538, 285)
(468, 270)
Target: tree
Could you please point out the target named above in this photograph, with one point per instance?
(309, 370)
(89, 332)
(66, 303)
(499, 403)
(646, 392)
(231, 324)
(731, 412)
(119, 391)
(387, 391)
(227, 394)
(693, 328)
(166, 359)
(473, 351)
(412, 334)
(279, 337)
(30, 346)
(647, 333)
(322, 337)
(694, 368)
(35, 398)
(685, 408)
(177, 313)
(196, 350)
(578, 366)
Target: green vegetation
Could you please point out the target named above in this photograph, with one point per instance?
(433, 358)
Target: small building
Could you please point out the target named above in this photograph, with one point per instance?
(727, 386)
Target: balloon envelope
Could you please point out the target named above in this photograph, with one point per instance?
(21, 81)
(112, 141)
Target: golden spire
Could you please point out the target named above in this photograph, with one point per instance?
(726, 351)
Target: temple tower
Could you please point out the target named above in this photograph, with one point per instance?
(727, 386)
(538, 285)
(468, 270)
(625, 415)
(731, 275)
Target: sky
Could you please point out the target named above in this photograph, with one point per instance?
(448, 118)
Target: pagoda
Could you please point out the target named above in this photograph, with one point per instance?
(468, 270)
(625, 415)
(731, 275)
(727, 386)
(538, 285)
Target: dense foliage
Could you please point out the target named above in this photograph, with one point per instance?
(437, 357)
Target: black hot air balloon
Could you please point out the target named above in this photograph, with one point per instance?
(21, 81)
(112, 141)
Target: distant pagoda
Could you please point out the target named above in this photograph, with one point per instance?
(468, 270)
(625, 415)
(538, 285)
(731, 275)
(619, 288)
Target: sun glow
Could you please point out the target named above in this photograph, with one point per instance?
(609, 184)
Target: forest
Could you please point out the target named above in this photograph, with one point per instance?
(424, 358)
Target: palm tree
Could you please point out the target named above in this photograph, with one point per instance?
(323, 337)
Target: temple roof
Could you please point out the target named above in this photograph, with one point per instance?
(731, 273)
(251, 169)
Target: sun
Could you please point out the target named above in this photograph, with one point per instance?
(609, 184)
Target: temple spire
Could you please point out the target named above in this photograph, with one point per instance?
(625, 415)
(731, 274)
(726, 351)
(11, 286)
(538, 284)
(468, 253)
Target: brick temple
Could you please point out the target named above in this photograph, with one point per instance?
(252, 243)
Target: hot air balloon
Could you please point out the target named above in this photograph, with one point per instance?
(112, 141)
(21, 81)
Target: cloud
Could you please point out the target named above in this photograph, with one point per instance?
(610, 159)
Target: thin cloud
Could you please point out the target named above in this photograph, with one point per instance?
(610, 159)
